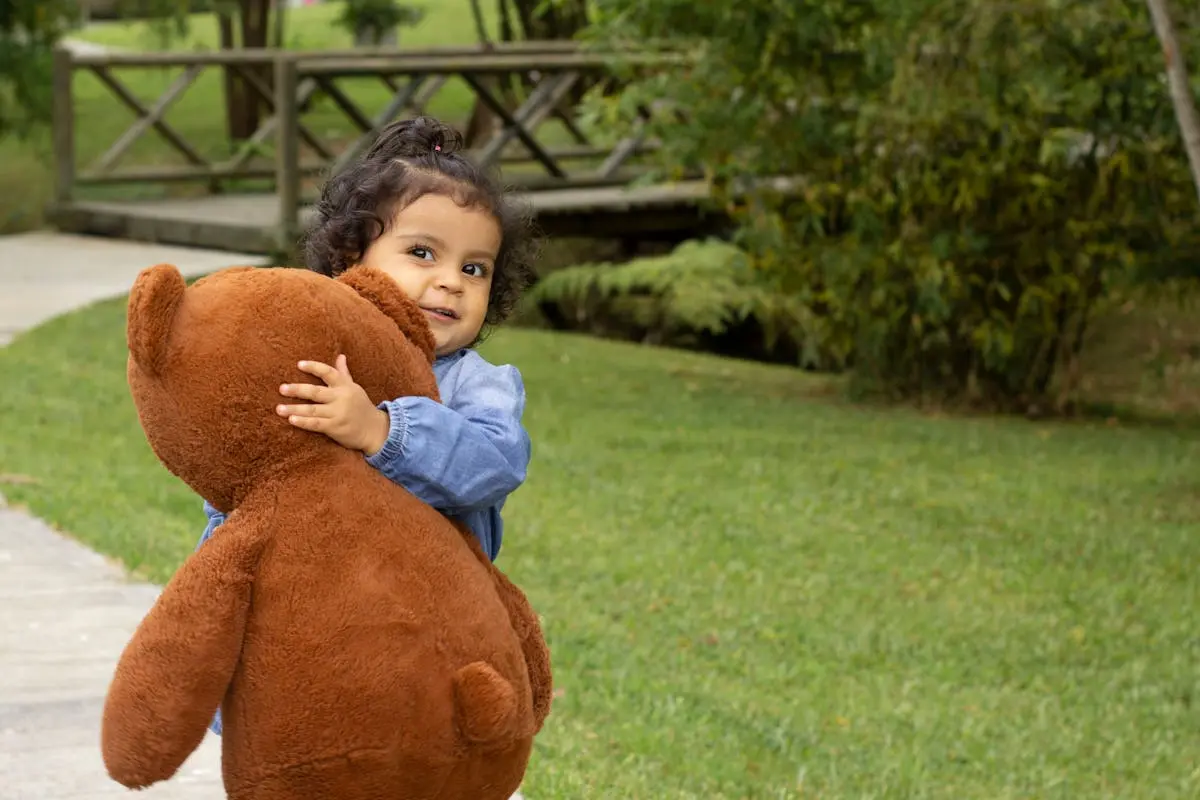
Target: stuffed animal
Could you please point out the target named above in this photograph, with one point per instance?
(358, 642)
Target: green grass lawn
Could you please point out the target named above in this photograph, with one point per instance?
(754, 591)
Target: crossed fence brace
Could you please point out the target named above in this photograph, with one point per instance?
(538, 78)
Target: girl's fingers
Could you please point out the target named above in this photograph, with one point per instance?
(308, 423)
(307, 391)
(323, 371)
(309, 411)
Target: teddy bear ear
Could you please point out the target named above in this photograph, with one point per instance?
(154, 300)
(384, 294)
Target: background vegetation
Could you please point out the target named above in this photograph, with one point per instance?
(972, 184)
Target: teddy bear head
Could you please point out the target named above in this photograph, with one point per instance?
(206, 361)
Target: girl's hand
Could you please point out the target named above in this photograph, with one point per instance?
(340, 409)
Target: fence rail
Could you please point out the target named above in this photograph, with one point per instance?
(523, 86)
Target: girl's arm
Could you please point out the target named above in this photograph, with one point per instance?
(215, 518)
(464, 457)
(467, 455)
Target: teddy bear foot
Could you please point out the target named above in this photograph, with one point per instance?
(486, 705)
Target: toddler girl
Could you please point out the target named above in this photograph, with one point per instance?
(444, 230)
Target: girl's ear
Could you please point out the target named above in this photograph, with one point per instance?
(154, 301)
(388, 297)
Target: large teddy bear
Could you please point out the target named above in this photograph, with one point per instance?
(359, 643)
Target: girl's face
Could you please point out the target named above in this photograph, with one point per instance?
(442, 255)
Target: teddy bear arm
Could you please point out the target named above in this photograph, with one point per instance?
(176, 668)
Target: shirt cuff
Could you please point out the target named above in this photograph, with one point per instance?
(393, 446)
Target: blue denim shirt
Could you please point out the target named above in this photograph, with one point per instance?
(463, 456)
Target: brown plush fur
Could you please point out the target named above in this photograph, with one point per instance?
(360, 644)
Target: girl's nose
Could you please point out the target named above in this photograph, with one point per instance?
(449, 280)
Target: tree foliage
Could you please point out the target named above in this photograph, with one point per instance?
(28, 34)
(972, 178)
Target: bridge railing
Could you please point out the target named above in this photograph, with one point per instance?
(531, 90)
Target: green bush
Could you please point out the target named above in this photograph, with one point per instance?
(972, 179)
(29, 32)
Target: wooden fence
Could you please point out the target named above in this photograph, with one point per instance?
(524, 86)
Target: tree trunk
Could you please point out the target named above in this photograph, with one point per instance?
(483, 121)
(1177, 80)
(279, 28)
(542, 21)
(234, 86)
(480, 28)
(507, 30)
(247, 29)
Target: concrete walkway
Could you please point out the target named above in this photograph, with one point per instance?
(65, 612)
(44, 274)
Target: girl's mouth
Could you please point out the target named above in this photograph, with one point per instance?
(441, 313)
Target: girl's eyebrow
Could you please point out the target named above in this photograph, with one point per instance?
(424, 237)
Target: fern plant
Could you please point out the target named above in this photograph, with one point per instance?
(704, 294)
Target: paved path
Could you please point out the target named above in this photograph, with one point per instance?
(81, 48)
(44, 274)
(65, 615)
(65, 612)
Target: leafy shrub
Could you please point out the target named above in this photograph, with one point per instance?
(972, 180)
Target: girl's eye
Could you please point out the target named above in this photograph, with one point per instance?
(478, 270)
(421, 252)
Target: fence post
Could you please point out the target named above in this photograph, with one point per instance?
(287, 151)
(63, 127)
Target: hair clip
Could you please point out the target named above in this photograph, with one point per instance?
(437, 147)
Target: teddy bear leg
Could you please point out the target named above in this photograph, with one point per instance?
(529, 631)
(486, 704)
(533, 644)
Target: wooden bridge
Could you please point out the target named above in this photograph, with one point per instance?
(254, 195)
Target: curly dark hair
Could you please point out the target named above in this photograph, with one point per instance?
(411, 158)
